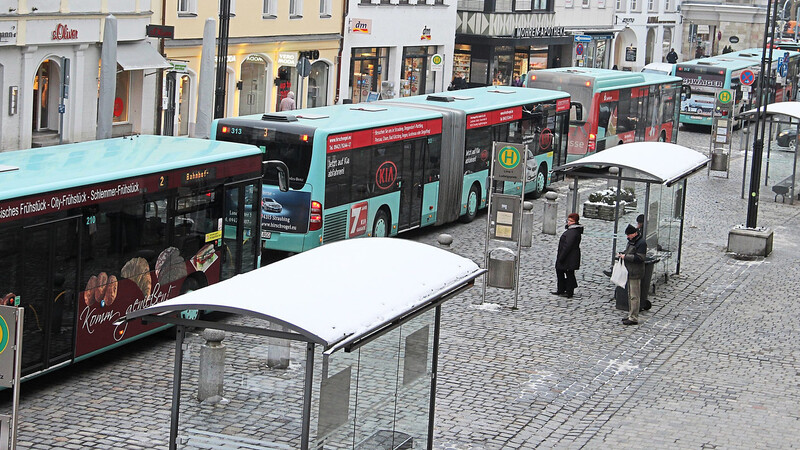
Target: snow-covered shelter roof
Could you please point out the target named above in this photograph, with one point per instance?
(791, 109)
(338, 293)
(655, 162)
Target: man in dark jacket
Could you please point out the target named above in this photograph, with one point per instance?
(633, 256)
(672, 56)
(568, 258)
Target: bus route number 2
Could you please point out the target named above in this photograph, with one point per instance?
(358, 219)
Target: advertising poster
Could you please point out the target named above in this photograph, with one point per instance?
(286, 212)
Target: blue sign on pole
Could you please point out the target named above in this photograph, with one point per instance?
(747, 77)
(783, 69)
(583, 38)
(579, 49)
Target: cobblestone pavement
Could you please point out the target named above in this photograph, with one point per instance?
(714, 363)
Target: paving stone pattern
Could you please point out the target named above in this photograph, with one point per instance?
(712, 365)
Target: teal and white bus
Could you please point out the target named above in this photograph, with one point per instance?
(92, 231)
(382, 168)
(706, 77)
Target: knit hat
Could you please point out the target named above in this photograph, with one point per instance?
(630, 229)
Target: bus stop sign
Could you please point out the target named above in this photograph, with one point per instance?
(8, 337)
(747, 77)
(509, 165)
(725, 96)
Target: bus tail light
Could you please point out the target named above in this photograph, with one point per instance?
(316, 216)
(592, 145)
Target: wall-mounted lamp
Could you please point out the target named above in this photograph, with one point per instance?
(34, 9)
(12, 9)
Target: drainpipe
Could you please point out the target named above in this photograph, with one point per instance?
(159, 91)
(345, 10)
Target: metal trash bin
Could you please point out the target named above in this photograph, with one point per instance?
(502, 271)
(621, 294)
(719, 161)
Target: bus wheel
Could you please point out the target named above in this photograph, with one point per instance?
(539, 181)
(380, 228)
(473, 200)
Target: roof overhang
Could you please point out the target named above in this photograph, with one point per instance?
(789, 109)
(654, 162)
(335, 295)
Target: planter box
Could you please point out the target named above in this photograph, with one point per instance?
(601, 211)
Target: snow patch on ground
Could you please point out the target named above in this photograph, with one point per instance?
(493, 307)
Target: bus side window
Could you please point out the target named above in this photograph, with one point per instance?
(433, 160)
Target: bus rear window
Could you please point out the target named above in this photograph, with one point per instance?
(296, 156)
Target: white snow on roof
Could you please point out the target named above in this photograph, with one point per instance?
(336, 292)
(661, 161)
(791, 109)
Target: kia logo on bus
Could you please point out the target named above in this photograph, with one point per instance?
(386, 175)
(545, 139)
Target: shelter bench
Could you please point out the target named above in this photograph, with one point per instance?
(782, 188)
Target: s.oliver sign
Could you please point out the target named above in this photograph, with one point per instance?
(63, 33)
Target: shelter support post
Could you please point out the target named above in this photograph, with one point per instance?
(434, 374)
(304, 438)
(683, 222)
(616, 213)
(180, 334)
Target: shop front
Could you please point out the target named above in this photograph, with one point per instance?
(504, 61)
(52, 71)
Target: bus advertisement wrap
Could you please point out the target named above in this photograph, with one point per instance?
(112, 294)
(285, 212)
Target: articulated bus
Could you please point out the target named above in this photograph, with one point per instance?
(92, 231)
(705, 77)
(618, 107)
(382, 168)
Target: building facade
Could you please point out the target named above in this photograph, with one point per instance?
(500, 40)
(711, 26)
(42, 41)
(396, 48)
(650, 28)
(265, 43)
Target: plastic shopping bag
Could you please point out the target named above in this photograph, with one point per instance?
(619, 275)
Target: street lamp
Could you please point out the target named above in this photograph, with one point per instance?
(761, 116)
(222, 57)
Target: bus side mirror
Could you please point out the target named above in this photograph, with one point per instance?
(686, 92)
(283, 173)
(578, 111)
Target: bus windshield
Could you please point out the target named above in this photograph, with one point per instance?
(297, 157)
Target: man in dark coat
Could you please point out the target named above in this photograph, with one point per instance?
(568, 258)
(634, 256)
(672, 56)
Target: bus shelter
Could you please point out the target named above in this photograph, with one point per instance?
(365, 316)
(779, 168)
(641, 179)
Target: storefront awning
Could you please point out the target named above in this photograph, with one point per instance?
(139, 55)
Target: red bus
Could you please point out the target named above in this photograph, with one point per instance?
(618, 106)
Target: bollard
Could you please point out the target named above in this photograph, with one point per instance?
(570, 195)
(613, 172)
(526, 237)
(278, 350)
(212, 365)
(445, 240)
(550, 213)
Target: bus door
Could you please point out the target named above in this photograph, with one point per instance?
(50, 255)
(411, 187)
(241, 235)
(639, 113)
